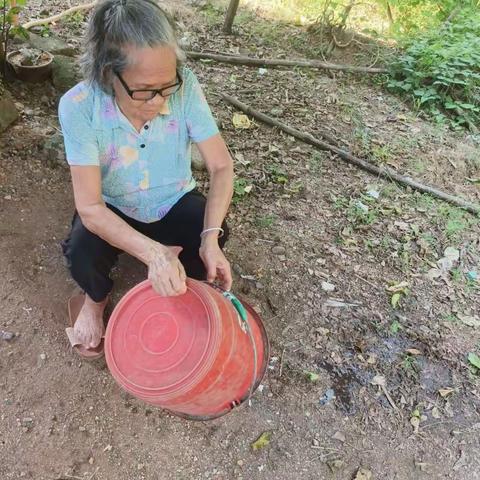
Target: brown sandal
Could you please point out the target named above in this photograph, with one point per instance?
(75, 304)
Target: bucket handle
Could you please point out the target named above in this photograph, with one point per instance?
(242, 313)
(237, 304)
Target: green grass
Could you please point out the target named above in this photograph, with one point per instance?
(266, 221)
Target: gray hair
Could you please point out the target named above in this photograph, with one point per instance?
(116, 24)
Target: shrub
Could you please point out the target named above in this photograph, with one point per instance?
(440, 71)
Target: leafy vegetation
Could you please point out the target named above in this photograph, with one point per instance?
(8, 27)
(440, 71)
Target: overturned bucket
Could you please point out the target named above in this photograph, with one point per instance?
(197, 355)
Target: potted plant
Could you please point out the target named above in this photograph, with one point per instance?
(29, 64)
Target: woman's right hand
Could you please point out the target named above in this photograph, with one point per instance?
(165, 270)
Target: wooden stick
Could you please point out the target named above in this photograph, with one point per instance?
(381, 171)
(269, 62)
(54, 18)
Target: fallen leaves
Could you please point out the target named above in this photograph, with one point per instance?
(469, 320)
(241, 121)
(363, 474)
(450, 258)
(445, 392)
(398, 290)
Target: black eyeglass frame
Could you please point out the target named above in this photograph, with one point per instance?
(155, 91)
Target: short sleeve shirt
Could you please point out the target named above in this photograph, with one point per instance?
(143, 173)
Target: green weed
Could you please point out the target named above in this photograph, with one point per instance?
(240, 189)
(440, 71)
(266, 221)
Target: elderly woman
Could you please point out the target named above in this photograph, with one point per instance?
(128, 130)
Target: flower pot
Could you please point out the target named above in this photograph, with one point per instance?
(31, 73)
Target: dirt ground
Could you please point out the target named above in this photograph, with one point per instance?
(355, 387)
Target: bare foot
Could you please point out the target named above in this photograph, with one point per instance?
(88, 328)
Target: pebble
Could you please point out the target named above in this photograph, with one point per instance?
(4, 335)
(43, 356)
(278, 250)
(328, 287)
(7, 197)
(327, 396)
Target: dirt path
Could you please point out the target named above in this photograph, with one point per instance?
(307, 222)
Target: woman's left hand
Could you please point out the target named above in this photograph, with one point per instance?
(216, 264)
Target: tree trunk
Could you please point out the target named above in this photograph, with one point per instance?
(389, 13)
(230, 16)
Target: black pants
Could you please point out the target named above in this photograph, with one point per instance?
(90, 258)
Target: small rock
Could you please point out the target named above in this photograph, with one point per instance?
(43, 356)
(339, 436)
(198, 163)
(328, 287)
(8, 112)
(4, 335)
(90, 460)
(278, 250)
(54, 151)
(140, 466)
(327, 396)
(27, 423)
(240, 463)
(7, 197)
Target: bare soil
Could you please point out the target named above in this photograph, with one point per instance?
(302, 226)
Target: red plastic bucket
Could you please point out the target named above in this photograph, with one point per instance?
(197, 355)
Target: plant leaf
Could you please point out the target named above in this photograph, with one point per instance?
(395, 299)
(474, 360)
(262, 441)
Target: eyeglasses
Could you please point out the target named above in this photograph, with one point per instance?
(148, 94)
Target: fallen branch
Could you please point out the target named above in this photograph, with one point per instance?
(269, 62)
(382, 171)
(54, 18)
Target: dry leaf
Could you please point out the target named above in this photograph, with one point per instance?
(363, 474)
(413, 351)
(445, 392)
(241, 121)
(469, 320)
(378, 380)
(398, 287)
